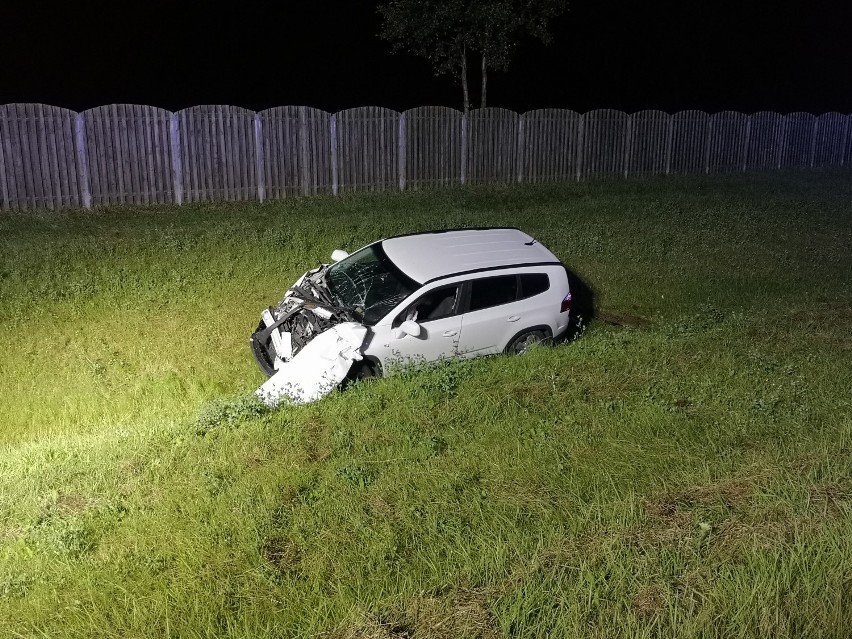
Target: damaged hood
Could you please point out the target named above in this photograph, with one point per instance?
(307, 310)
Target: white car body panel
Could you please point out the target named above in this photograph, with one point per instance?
(432, 260)
(317, 369)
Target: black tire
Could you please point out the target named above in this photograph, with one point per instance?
(521, 343)
(360, 371)
(364, 369)
(261, 351)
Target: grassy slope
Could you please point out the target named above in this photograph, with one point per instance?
(684, 475)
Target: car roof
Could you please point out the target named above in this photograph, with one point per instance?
(436, 254)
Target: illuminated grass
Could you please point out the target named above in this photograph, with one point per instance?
(682, 470)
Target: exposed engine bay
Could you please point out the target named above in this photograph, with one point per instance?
(308, 309)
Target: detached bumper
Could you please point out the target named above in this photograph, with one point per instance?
(317, 369)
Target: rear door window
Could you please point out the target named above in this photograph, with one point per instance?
(533, 284)
(492, 291)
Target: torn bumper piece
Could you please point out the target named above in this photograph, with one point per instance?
(316, 369)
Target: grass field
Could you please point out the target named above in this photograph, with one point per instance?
(684, 469)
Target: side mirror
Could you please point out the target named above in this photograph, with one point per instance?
(338, 254)
(408, 327)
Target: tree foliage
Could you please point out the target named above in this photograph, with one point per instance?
(446, 31)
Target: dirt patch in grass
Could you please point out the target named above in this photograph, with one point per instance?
(71, 504)
(284, 555)
(462, 613)
(649, 602)
(531, 393)
(832, 497)
(315, 440)
(624, 320)
(671, 518)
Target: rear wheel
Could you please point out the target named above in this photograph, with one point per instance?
(522, 343)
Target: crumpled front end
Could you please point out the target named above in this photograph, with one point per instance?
(317, 369)
(307, 310)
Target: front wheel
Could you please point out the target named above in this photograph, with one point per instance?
(364, 369)
(263, 352)
(522, 343)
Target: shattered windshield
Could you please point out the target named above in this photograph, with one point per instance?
(368, 282)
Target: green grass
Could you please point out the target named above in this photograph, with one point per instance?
(682, 470)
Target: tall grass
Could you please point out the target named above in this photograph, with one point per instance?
(681, 470)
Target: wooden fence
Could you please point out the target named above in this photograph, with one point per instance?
(52, 157)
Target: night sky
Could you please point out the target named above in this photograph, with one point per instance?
(625, 54)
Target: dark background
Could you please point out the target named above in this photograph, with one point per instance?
(624, 54)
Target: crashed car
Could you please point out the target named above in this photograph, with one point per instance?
(412, 298)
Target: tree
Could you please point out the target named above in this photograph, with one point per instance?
(431, 29)
(495, 27)
(445, 31)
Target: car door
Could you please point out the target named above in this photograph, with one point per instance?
(436, 312)
(493, 314)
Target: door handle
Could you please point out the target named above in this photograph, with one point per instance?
(450, 333)
(513, 318)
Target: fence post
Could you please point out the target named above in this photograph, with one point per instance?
(403, 150)
(463, 162)
(4, 193)
(521, 152)
(82, 160)
(782, 140)
(177, 166)
(628, 144)
(258, 158)
(581, 132)
(747, 141)
(844, 139)
(669, 138)
(814, 141)
(711, 127)
(333, 141)
(303, 150)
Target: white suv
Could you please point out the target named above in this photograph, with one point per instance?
(424, 297)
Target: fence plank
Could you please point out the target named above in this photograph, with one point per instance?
(8, 177)
(219, 153)
(492, 145)
(649, 147)
(368, 148)
(829, 139)
(5, 201)
(30, 144)
(765, 140)
(604, 138)
(36, 170)
(689, 141)
(433, 146)
(799, 140)
(334, 167)
(727, 142)
(128, 154)
(551, 145)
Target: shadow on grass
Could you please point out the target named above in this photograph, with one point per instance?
(582, 306)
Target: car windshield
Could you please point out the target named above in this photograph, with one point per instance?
(369, 283)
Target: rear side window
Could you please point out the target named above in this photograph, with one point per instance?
(533, 284)
(493, 291)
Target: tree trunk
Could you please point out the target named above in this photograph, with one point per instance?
(484, 79)
(464, 80)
